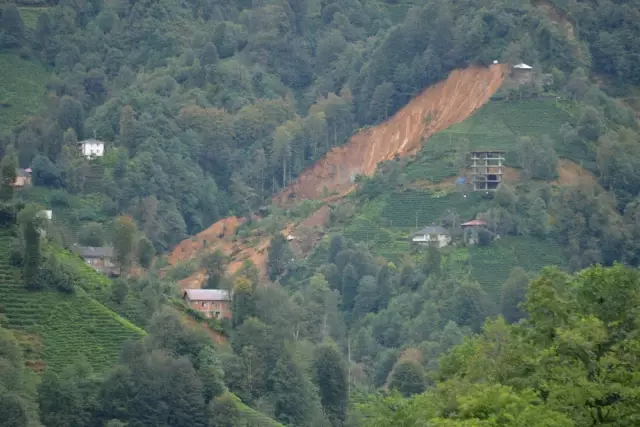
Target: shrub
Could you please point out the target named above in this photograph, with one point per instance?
(15, 257)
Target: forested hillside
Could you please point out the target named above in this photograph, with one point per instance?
(208, 109)
(317, 136)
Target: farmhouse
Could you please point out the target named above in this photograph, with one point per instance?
(434, 235)
(23, 178)
(522, 73)
(212, 303)
(100, 258)
(92, 148)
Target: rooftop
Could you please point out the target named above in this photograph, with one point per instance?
(207, 294)
(93, 252)
(91, 141)
(436, 229)
(474, 223)
(522, 66)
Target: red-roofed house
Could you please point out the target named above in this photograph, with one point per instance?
(474, 223)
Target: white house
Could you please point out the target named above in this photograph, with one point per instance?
(435, 235)
(92, 148)
(48, 214)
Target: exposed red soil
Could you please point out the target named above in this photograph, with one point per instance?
(220, 234)
(435, 109)
(572, 174)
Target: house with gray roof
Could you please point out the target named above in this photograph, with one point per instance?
(212, 303)
(434, 235)
(102, 259)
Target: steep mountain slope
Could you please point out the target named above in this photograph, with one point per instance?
(438, 107)
(55, 328)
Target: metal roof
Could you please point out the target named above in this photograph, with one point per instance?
(523, 66)
(474, 222)
(207, 294)
(431, 230)
(91, 141)
(93, 252)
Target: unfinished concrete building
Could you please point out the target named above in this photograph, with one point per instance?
(486, 170)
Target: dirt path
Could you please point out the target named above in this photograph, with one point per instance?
(436, 108)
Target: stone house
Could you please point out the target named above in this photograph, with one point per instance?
(102, 259)
(212, 303)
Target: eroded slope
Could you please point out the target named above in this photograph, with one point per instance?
(435, 109)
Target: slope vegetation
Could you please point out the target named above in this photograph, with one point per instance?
(435, 109)
(55, 328)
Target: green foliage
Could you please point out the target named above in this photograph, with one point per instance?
(424, 208)
(279, 256)
(332, 379)
(124, 240)
(408, 378)
(22, 92)
(216, 265)
(491, 265)
(92, 234)
(67, 325)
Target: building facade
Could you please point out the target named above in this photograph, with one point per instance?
(212, 303)
(486, 170)
(435, 236)
(92, 148)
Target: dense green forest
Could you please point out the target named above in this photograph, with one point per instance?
(208, 108)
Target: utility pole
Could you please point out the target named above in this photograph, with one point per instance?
(416, 220)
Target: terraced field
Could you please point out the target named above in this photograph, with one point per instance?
(417, 209)
(22, 89)
(57, 328)
(496, 126)
(491, 265)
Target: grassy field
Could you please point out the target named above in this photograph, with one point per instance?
(56, 328)
(30, 15)
(22, 89)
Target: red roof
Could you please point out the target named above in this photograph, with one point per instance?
(475, 222)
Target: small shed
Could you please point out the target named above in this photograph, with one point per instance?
(522, 73)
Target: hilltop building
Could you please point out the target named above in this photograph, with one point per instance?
(486, 170)
(212, 303)
(522, 73)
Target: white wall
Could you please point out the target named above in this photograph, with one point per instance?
(90, 149)
(441, 240)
